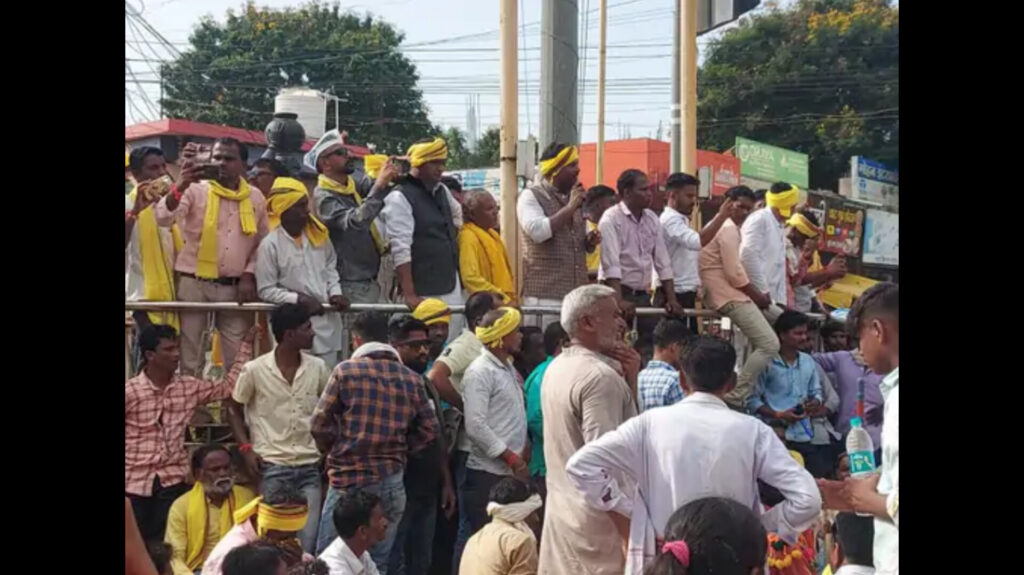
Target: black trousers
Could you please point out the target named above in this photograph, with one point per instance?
(819, 460)
(476, 494)
(689, 301)
(151, 512)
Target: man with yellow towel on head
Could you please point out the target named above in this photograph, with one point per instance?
(297, 264)
(555, 241)
(423, 221)
(763, 245)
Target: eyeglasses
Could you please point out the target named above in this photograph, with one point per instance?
(415, 344)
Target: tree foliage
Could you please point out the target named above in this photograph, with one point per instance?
(486, 155)
(232, 71)
(821, 77)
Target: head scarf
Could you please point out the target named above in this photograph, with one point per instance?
(326, 142)
(286, 185)
(374, 347)
(373, 163)
(506, 324)
(515, 514)
(803, 225)
(433, 151)
(550, 168)
(283, 198)
(432, 311)
(783, 201)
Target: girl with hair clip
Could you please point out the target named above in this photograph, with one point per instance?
(708, 536)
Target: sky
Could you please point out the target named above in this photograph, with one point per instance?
(639, 57)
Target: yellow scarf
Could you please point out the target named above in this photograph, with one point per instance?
(432, 151)
(157, 266)
(279, 202)
(550, 168)
(206, 261)
(783, 201)
(500, 273)
(195, 520)
(505, 325)
(803, 225)
(350, 190)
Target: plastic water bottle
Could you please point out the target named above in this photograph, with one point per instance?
(861, 450)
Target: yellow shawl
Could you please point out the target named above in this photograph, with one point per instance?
(350, 190)
(206, 261)
(157, 266)
(499, 272)
(195, 519)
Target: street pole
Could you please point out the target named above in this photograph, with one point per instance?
(688, 85)
(676, 154)
(600, 92)
(509, 132)
(559, 64)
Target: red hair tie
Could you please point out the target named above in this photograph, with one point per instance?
(680, 550)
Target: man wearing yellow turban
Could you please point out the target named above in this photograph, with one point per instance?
(296, 264)
(149, 249)
(348, 203)
(222, 221)
(423, 220)
(555, 241)
(199, 519)
(763, 247)
(278, 516)
(495, 416)
(803, 264)
(438, 317)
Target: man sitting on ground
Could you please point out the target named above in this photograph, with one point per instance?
(200, 518)
(506, 545)
(255, 559)
(361, 524)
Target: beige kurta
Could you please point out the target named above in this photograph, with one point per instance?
(583, 397)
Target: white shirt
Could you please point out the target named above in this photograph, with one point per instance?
(342, 561)
(694, 449)
(495, 413)
(887, 534)
(400, 224)
(855, 570)
(763, 253)
(284, 269)
(683, 243)
(532, 220)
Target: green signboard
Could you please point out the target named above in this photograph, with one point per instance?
(772, 164)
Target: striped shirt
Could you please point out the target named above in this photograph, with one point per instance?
(373, 413)
(155, 421)
(658, 385)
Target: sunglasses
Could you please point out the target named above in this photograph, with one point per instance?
(414, 343)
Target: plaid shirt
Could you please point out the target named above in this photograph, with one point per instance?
(373, 413)
(658, 384)
(155, 420)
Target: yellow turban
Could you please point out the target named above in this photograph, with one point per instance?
(287, 518)
(373, 163)
(506, 324)
(803, 225)
(420, 154)
(783, 201)
(432, 311)
(285, 196)
(568, 155)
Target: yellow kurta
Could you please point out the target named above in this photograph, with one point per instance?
(177, 529)
(484, 267)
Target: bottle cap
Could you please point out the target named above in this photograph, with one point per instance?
(856, 422)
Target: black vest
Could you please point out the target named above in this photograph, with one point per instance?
(435, 246)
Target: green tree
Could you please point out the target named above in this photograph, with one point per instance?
(459, 156)
(232, 71)
(488, 149)
(821, 77)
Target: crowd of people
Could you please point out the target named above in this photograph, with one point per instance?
(489, 442)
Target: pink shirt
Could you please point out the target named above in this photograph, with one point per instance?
(631, 248)
(236, 251)
(240, 534)
(721, 272)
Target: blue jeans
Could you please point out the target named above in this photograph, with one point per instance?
(306, 478)
(414, 543)
(464, 529)
(391, 491)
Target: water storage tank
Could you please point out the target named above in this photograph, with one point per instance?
(308, 105)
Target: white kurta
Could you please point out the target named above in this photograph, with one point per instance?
(691, 450)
